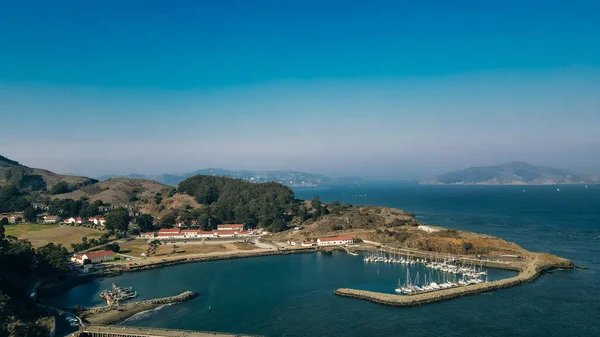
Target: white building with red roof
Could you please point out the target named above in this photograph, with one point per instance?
(171, 235)
(230, 227)
(51, 218)
(196, 233)
(308, 244)
(170, 230)
(97, 220)
(336, 240)
(94, 257)
(75, 220)
(227, 233)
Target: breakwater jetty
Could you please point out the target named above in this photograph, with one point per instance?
(118, 313)
(539, 264)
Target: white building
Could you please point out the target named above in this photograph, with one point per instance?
(230, 227)
(94, 257)
(308, 244)
(97, 220)
(336, 240)
(170, 235)
(195, 233)
(51, 218)
(147, 235)
(75, 221)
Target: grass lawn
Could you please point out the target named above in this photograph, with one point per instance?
(21, 229)
(40, 235)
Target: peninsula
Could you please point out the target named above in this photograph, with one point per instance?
(151, 225)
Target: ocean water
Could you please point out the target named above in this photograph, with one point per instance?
(293, 295)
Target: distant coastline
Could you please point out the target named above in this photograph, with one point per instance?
(516, 183)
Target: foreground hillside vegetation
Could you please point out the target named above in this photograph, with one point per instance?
(20, 263)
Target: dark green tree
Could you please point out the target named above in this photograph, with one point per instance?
(153, 246)
(336, 207)
(60, 187)
(145, 222)
(112, 246)
(168, 220)
(52, 259)
(30, 215)
(118, 220)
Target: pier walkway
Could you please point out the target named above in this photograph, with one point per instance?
(128, 331)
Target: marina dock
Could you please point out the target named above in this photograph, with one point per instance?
(541, 263)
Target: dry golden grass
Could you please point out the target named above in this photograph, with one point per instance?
(40, 235)
(137, 247)
(118, 191)
(244, 246)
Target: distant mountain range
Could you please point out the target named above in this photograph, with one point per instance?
(290, 178)
(514, 173)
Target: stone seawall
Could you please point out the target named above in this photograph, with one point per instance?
(536, 267)
(218, 257)
(118, 313)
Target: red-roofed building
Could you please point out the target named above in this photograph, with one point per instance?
(336, 240)
(97, 220)
(227, 233)
(12, 218)
(230, 227)
(94, 257)
(75, 220)
(171, 235)
(195, 233)
(51, 218)
(170, 230)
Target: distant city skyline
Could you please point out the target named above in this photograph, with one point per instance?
(380, 90)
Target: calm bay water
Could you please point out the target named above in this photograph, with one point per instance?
(292, 295)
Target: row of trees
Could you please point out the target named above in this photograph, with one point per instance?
(71, 208)
(89, 243)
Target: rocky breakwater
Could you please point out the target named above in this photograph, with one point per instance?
(539, 264)
(118, 313)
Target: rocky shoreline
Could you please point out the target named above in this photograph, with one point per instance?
(540, 264)
(107, 315)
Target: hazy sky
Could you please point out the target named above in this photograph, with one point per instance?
(380, 89)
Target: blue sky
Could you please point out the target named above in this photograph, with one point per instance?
(381, 89)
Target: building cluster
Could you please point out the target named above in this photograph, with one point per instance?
(97, 220)
(12, 218)
(94, 257)
(223, 231)
(330, 241)
(52, 219)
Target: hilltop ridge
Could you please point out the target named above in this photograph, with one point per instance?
(290, 178)
(513, 173)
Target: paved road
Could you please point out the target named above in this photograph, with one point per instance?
(263, 245)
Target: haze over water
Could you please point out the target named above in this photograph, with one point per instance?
(292, 295)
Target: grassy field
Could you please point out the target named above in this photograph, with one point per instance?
(137, 247)
(40, 235)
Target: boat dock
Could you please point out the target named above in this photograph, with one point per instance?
(128, 331)
(541, 263)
